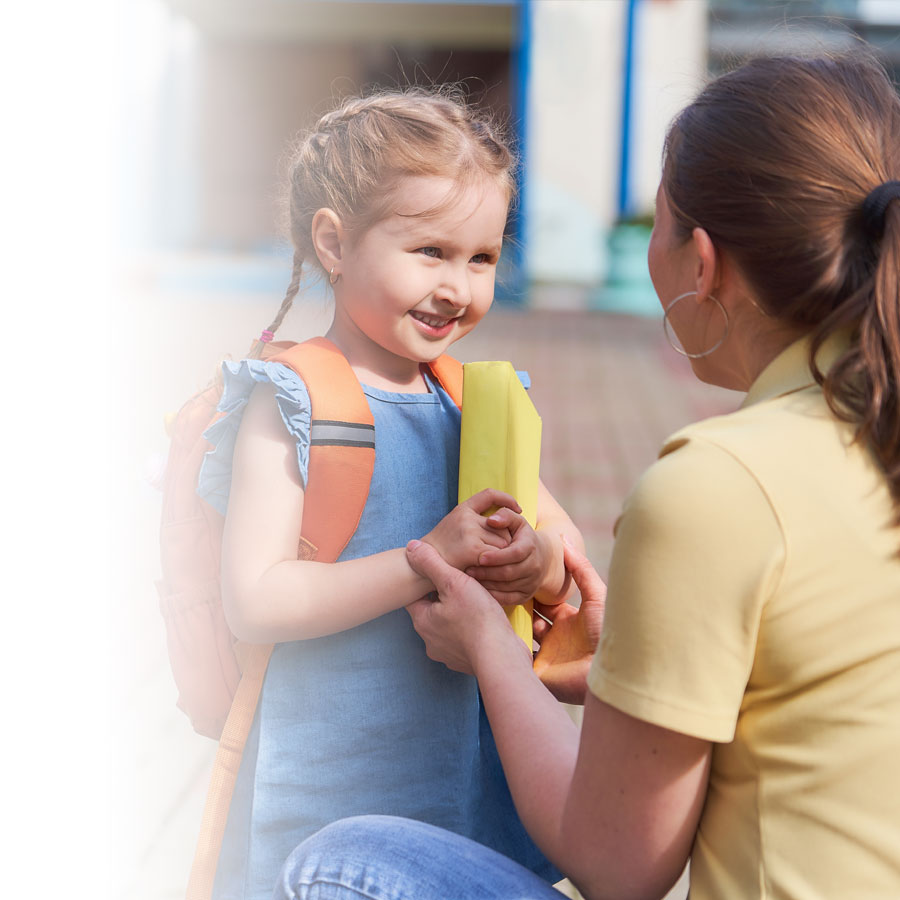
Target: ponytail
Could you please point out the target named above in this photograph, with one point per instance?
(864, 386)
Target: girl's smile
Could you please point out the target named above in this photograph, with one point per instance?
(434, 326)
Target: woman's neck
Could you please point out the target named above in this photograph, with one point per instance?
(754, 340)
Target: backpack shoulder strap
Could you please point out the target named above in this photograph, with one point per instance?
(341, 462)
(448, 372)
(342, 446)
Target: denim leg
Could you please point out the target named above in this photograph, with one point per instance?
(391, 858)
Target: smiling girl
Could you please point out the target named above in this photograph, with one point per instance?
(401, 199)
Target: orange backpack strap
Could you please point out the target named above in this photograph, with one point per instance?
(342, 446)
(449, 375)
(254, 659)
(341, 462)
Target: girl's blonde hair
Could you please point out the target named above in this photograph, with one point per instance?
(353, 158)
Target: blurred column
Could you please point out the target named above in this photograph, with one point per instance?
(575, 129)
(573, 102)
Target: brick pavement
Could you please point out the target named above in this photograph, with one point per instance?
(608, 389)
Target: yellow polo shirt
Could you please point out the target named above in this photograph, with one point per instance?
(754, 601)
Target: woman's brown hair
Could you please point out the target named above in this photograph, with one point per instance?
(775, 160)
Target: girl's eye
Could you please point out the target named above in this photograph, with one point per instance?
(480, 259)
(433, 252)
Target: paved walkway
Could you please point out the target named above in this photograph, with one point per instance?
(608, 388)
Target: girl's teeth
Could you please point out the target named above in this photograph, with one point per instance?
(434, 323)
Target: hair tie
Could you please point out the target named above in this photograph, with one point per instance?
(875, 206)
(266, 337)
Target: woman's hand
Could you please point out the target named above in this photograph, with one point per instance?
(464, 622)
(515, 572)
(568, 641)
(464, 534)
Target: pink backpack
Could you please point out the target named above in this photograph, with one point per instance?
(204, 656)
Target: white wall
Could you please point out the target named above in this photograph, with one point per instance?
(575, 114)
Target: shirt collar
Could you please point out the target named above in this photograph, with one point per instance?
(790, 372)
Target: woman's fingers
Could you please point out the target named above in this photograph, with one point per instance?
(539, 627)
(428, 563)
(419, 608)
(554, 611)
(588, 582)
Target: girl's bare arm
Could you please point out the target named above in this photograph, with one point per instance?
(553, 525)
(268, 594)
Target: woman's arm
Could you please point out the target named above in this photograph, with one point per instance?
(268, 594)
(615, 809)
(633, 805)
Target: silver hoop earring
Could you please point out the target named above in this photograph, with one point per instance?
(683, 352)
(332, 278)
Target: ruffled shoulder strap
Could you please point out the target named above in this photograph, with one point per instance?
(292, 398)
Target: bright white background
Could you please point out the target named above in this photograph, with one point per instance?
(57, 78)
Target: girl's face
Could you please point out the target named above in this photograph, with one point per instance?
(411, 285)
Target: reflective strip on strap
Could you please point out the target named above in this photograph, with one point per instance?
(325, 432)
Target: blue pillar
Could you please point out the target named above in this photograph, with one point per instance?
(628, 288)
(512, 279)
(624, 194)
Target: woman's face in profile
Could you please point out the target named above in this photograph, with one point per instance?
(667, 255)
(674, 266)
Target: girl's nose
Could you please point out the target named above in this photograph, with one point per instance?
(455, 288)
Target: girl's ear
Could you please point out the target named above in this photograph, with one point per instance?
(708, 266)
(328, 238)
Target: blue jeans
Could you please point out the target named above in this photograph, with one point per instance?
(391, 858)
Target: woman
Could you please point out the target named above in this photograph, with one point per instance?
(743, 705)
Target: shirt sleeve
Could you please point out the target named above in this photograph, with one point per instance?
(292, 398)
(698, 550)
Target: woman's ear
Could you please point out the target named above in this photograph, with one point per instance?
(708, 268)
(328, 238)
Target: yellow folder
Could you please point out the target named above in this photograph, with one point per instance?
(500, 447)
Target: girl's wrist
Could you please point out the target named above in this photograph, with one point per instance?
(556, 581)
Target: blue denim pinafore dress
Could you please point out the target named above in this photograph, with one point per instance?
(362, 721)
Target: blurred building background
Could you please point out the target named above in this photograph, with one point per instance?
(209, 95)
(216, 89)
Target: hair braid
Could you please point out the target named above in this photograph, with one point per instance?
(286, 304)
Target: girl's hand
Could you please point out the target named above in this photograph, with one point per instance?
(568, 641)
(465, 622)
(514, 573)
(464, 534)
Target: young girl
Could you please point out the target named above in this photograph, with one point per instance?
(402, 200)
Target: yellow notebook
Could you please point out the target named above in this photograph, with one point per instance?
(500, 447)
